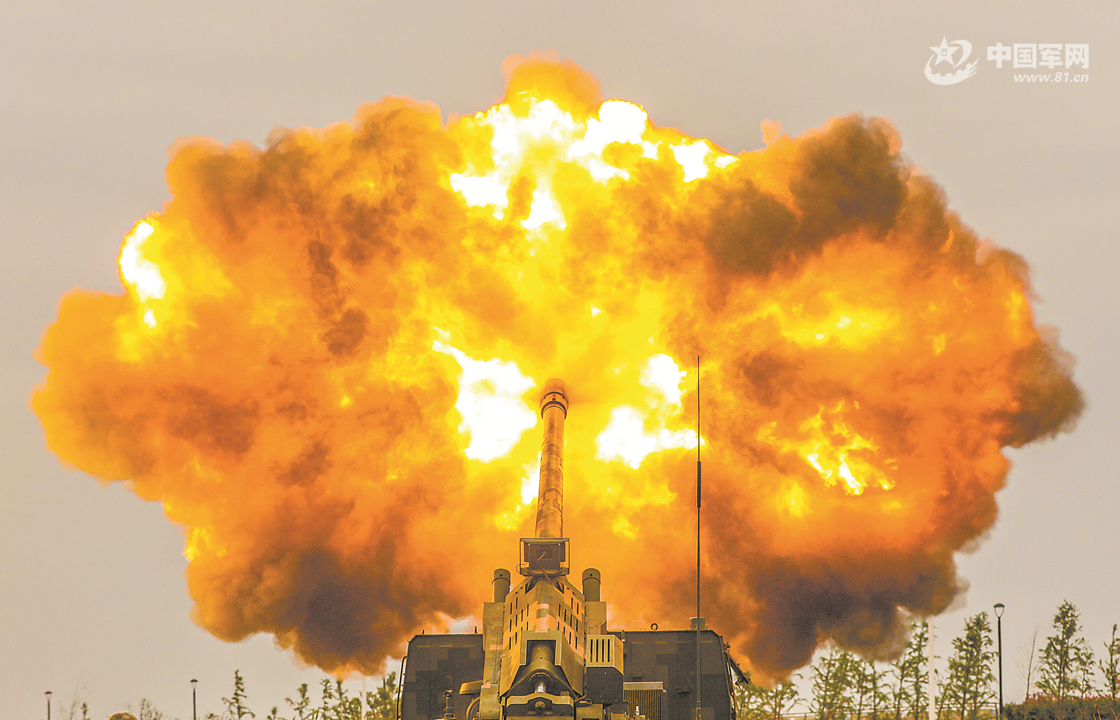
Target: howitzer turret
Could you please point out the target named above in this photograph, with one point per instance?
(545, 650)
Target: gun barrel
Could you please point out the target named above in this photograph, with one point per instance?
(550, 495)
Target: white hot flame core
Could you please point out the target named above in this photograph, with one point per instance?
(632, 434)
(691, 157)
(544, 209)
(512, 137)
(547, 136)
(662, 376)
(494, 414)
(138, 272)
(531, 482)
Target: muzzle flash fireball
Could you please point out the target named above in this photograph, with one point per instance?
(545, 649)
(325, 361)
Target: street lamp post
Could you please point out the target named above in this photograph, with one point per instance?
(48, 694)
(999, 648)
(194, 699)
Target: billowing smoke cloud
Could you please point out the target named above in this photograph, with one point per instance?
(325, 359)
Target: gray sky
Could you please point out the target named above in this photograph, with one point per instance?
(92, 592)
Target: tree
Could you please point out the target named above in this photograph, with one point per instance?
(148, 711)
(326, 704)
(750, 702)
(382, 703)
(1030, 662)
(832, 681)
(1110, 669)
(348, 708)
(911, 675)
(76, 707)
(868, 690)
(235, 706)
(336, 704)
(968, 686)
(300, 706)
(1066, 667)
(757, 702)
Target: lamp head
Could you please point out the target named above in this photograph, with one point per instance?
(999, 610)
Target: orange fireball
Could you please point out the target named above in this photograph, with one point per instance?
(327, 355)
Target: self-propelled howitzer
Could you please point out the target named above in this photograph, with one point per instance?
(545, 650)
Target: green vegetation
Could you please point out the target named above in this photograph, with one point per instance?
(235, 706)
(843, 685)
(846, 687)
(832, 685)
(1066, 670)
(911, 676)
(1110, 665)
(1044, 708)
(335, 703)
(970, 685)
(757, 702)
(870, 691)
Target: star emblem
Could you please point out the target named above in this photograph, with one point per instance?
(944, 52)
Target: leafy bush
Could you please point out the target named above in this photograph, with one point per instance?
(1047, 708)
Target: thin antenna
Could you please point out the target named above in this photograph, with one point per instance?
(699, 710)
